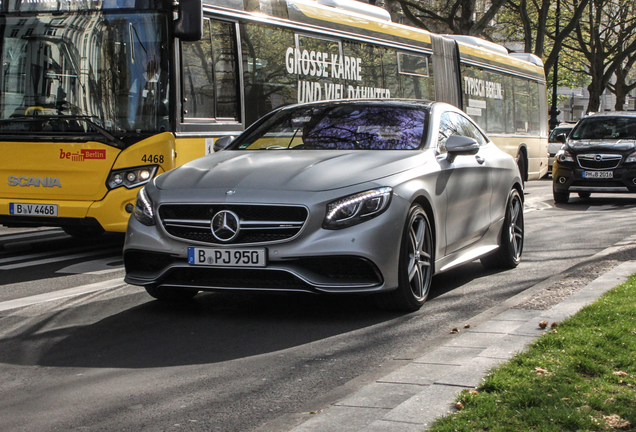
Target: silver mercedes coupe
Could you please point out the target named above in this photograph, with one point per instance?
(362, 196)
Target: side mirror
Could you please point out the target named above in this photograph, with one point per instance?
(222, 143)
(460, 145)
(189, 26)
(561, 138)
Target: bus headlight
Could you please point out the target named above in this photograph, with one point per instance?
(131, 177)
(143, 208)
(357, 208)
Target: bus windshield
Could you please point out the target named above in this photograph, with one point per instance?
(103, 74)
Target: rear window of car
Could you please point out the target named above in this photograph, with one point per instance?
(339, 127)
(605, 128)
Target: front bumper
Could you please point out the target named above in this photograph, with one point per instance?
(359, 259)
(567, 178)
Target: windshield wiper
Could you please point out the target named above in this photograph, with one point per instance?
(116, 142)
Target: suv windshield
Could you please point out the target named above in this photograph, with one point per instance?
(605, 127)
(73, 74)
(339, 127)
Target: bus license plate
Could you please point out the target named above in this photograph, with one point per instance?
(27, 209)
(217, 257)
(598, 174)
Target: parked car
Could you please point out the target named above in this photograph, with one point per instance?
(599, 156)
(362, 196)
(555, 142)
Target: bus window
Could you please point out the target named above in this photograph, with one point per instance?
(367, 81)
(390, 74)
(416, 81)
(495, 115)
(209, 74)
(522, 106)
(474, 88)
(268, 84)
(312, 63)
(534, 107)
(509, 103)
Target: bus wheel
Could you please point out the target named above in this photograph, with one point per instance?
(171, 294)
(82, 232)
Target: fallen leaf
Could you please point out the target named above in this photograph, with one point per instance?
(543, 324)
(610, 400)
(616, 422)
(566, 399)
(466, 325)
(554, 324)
(454, 330)
(620, 373)
(459, 406)
(540, 370)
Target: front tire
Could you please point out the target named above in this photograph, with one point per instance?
(171, 294)
(560, 197)
(508, 255)
(415, 265)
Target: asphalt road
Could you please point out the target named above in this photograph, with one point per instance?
(87, 352)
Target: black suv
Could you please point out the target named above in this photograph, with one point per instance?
(599, 156)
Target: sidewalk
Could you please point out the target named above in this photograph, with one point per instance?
(411, 397)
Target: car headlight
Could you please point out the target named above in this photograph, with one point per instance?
(131, 177)
(631, 158)
(143, 208)
(357, 208)
(564, 156)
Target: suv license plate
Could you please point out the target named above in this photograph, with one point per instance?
(218, 257)
(27, 209)
(598, 174)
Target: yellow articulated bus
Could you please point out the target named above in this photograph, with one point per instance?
(97, 97)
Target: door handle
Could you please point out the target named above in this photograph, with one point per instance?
(480, 160)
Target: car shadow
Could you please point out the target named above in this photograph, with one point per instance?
(577, 203)
(212, 328)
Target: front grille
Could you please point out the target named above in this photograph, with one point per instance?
(598, 182)
(599, 161)
(258, 223)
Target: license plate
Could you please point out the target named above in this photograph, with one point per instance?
(598, 174)
(27, 209)
(218, 257)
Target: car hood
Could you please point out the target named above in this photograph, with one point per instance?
(293, 170)
(618, 145)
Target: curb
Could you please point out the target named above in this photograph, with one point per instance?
(410, 398)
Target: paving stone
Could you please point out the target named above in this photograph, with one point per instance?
(418, 373)
(516, 315)
(508, 347)
(392, 426)
(381, 395)
(474, 340)
(470, 374)
(450, 356)
(341, 419)
(433, 402)
(504, 327)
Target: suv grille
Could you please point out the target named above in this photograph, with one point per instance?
(257, 223)
(599, 161)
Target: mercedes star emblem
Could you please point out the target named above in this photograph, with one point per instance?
(225, 225)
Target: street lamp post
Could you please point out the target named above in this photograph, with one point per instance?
(554, 111)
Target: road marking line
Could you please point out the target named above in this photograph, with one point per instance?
(70, 292)
(57, 259)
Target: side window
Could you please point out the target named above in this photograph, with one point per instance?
(468, 129)
(210, 83)
(522, 106)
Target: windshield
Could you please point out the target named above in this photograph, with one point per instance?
(605, 128)
(339, 127)
(98, 73)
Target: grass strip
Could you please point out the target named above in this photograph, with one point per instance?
(578, 376)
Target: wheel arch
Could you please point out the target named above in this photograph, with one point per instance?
(428, 209)
(522, 153)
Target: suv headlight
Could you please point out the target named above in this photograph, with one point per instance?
(357, 208)
(131, 177)
(143, 208)
(564, 156)
(631, 158)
